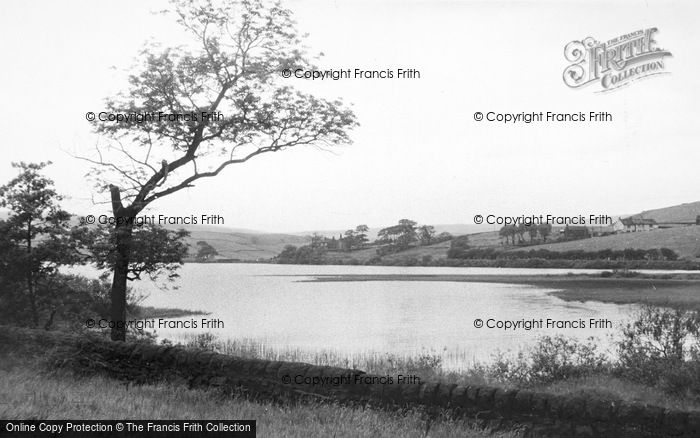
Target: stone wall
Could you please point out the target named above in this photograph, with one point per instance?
(541, 414)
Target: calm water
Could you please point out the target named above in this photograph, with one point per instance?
(273, 305)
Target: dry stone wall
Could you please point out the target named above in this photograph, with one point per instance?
(541, 414)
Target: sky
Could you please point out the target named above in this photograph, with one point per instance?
(418, 152)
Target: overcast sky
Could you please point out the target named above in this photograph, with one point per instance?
(418, 153)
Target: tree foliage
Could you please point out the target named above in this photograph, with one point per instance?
(225, 103)
(205, 251)
(232, 66)
(156, 251)
(426, 234)
(35, 239)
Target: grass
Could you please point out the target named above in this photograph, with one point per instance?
(684, 240)
(242, 245)
(29, 389)
(429, 368)
(369, 361)
(606, 386)
(61, 396)
(436, 251)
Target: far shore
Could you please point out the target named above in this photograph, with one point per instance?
(149, 312)
(680, 291)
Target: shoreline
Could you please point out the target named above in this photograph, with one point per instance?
(678, 292)
(520, 263)
(150, 312)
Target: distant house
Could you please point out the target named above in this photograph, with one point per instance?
(332, 244)
(618, 226)
(634, 224)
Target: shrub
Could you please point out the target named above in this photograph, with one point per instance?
(73, 299)
(661, 346)
(551, 359)
(204, 341)
(375, 260)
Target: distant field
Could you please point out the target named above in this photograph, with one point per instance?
(684, 240)
(436, 251)
(361, 255)
(245, 246)
(488, 239)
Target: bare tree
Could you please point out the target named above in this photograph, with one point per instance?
(191, 111)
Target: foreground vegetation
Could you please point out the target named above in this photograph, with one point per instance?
(31, 388)
(657, 363)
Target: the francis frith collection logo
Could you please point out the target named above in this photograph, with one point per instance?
(616, 62)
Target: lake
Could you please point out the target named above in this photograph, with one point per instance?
(276, 306)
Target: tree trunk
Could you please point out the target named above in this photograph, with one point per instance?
(119, 280)
(49, 322)
(123, 232)
(30, 277)
(32, 300)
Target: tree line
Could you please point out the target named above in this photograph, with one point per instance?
(541, 231)
(400, 237)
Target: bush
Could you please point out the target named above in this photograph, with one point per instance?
(681, 378)
(661, 346)
(204, 341)
(376, 260)
(73, 299)
(551, 359)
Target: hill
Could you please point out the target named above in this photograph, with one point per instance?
(454, 229)
(677, 214)
(243, 246)
(684, 240)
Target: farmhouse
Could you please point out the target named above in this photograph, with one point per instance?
(633, 224)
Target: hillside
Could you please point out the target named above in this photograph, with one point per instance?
(454, 229)
(683, 213)
(435, 251)
(684, 240)
(244, 246)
